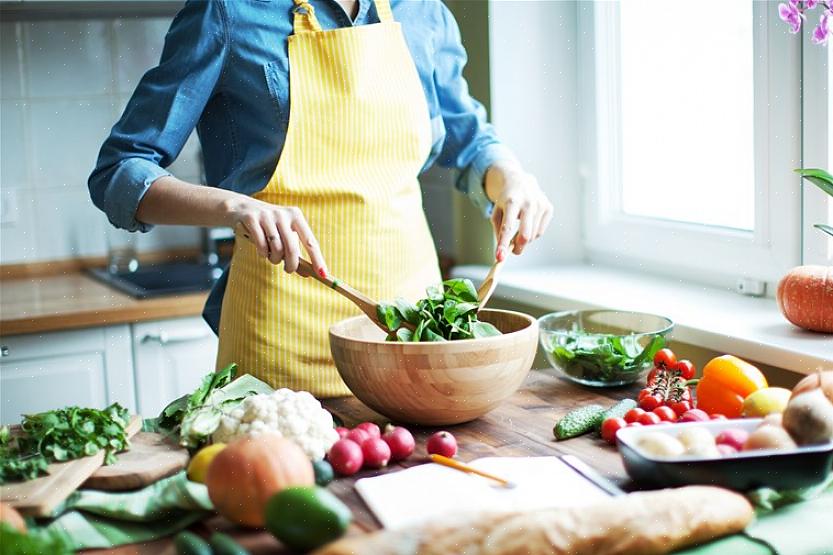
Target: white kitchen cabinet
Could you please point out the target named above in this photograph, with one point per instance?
(170, 357)
(89, 367)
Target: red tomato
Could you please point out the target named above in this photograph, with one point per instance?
(665, 413)
(650, 402)
(644, 392)
(717, 416)
(665, 358)
(609, 428)
(633, 415)
(680, 407)
(694, 415)
(648, 419)
(652, 376)
(686, 369)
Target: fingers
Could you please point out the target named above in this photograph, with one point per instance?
(506, 228)
(310, 243)
(544, 222)
(253, 229)
(273, 239)
(291, 248)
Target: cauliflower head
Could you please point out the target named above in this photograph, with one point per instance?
(295, 415)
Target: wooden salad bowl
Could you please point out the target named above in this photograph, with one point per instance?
(435, 383)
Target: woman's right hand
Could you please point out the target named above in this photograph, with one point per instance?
(277, 232)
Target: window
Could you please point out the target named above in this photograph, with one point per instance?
(691, 129)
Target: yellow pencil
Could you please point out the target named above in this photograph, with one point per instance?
(451, 463)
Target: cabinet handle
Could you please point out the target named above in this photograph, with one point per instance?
(165, 338)
(4, 351)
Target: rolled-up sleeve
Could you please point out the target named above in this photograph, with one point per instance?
(162, 112)
(471, 143)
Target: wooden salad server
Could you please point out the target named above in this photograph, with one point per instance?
(484, 292)
(365, 303)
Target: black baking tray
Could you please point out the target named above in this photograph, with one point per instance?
(780, 469)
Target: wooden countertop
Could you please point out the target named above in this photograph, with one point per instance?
(75, 300)
(522, 426)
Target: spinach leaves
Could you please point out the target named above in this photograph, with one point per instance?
(448, 313)
(603, 358)
(61, 435)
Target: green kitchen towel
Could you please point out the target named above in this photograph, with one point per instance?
(795, 522)
(91, 518)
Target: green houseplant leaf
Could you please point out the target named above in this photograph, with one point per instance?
(825, 228)
(818, 177)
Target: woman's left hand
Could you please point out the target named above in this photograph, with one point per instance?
(522, 211)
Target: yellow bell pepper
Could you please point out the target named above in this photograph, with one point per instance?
(726, 382)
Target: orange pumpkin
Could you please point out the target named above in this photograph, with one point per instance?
(805, 296)
(243, 476)
(10, 516)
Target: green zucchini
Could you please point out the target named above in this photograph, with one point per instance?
(188, 543)
(578, 421)
(223, 544)
(616, 411)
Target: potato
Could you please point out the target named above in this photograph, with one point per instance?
(809, 418)
(698, 442)
(768, 436)
(659, 444)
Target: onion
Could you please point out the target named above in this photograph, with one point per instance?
(823, 380)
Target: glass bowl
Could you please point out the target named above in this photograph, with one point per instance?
(602, 348)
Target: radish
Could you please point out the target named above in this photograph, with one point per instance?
(400, 441)
(694, 415)
(734, 437)
(442, 443)
(371, 429)
(346, 457)
(342, 432)
(376, 453)
(357, 435)
(726, 449)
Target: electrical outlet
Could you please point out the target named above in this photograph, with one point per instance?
(750, 287)
(8, 206)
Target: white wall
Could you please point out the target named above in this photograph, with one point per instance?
(534, 96)
(64, 84)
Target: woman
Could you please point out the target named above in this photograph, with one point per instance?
(315, 120)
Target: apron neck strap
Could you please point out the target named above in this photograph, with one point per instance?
(304, 20)
(383, 11)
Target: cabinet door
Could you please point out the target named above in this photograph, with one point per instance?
(171, 357)
(91, 368)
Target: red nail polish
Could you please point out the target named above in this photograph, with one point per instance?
(322, 273)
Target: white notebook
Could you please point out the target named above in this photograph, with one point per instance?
(429, 491)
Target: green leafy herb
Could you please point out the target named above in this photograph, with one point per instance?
(196, 416)
(603, 358)
(14, 542)
(61, 435)
(448, 312)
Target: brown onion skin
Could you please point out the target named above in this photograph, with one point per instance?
(805, 297)
(823, 380)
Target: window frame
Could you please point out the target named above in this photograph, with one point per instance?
(723, 255)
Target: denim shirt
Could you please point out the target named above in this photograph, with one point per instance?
(224, 70)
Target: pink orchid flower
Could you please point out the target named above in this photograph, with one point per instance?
(791, 15)
(823, 31)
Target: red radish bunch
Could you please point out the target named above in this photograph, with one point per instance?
(365, 447)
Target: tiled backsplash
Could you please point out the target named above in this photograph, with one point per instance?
(63, 85)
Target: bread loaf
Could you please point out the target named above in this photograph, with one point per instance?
(645, 523)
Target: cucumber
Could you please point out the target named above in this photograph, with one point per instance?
(323, 472)
(306, 517)
(578, 421)
(618, 411)
(188, 543)
(223, 544)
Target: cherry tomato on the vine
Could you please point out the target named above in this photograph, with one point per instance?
(650, 402)
(609, 428)
(665, 358)
(680, 407)
(633, 414)
(644, 392)
(686, 369)
(666, 414)
(648, 419)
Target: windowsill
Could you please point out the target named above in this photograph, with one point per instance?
(712, 318)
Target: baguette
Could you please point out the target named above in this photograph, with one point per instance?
(645, 523)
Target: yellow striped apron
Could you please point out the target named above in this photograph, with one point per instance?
(358, 135)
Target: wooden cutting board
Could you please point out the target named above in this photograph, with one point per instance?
(40, 496)
(151, 457)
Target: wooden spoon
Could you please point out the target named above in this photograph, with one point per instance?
(484, 292)
(365, 303)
